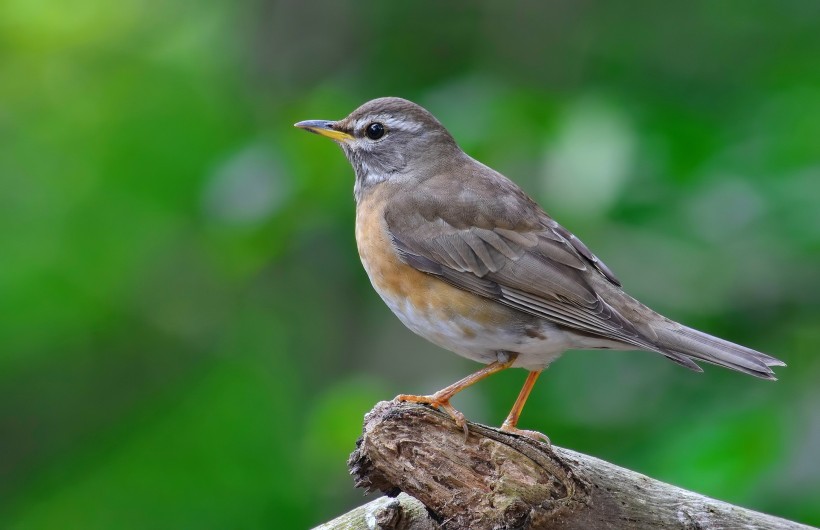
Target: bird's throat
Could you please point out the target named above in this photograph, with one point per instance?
(366, 179)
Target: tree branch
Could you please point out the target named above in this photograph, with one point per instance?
(496, 480)
(385, 513)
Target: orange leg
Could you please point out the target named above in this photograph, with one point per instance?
(510, 423)
(441, 399)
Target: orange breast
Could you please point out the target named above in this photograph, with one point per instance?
(398, 283)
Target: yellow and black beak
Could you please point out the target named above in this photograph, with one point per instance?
(324, 128)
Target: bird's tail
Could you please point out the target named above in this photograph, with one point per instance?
(679, 339)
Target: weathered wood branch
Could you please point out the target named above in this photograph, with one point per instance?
(385, 513)
(495, 480)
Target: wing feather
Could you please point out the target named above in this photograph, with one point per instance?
(535, 270)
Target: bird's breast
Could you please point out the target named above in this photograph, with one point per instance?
(398, 282)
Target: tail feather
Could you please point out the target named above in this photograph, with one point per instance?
(704, 347)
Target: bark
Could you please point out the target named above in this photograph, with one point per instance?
(494, 480)
(385, 513)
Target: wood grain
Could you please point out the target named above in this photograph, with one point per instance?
(494, 480)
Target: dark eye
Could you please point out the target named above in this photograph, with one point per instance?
(374, 131)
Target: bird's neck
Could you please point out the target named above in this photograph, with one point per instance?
(366, 180)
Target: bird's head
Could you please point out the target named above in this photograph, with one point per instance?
(388, 138)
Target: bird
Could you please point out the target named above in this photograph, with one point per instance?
(467, 260)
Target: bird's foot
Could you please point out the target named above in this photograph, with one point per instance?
(534, 435)
(438, 402)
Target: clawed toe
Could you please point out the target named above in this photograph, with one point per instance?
(457, 416)
(438, 403)
(534, 435)
(460, 420)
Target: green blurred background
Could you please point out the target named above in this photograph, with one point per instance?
(188, 339)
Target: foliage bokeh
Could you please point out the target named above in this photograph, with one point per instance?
(189, 341)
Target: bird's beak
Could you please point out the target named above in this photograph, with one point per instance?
(325, 128)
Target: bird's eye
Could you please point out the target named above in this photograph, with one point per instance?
(374, 131)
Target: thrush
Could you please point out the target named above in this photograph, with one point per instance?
(470, 262)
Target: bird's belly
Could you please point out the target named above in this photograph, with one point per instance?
(477, 335)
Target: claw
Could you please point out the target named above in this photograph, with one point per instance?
(457, 416)
(441, 399)
(533, 435)
(436, 402)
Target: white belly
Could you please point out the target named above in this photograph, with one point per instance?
(482, 343)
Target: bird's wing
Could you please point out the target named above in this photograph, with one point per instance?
(536, 272)
(512, 252)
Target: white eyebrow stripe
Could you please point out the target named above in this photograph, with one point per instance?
(389, 122)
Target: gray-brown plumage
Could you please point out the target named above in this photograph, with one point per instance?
(510, 277)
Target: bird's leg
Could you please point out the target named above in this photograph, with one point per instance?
(510, 423)
(441, 399)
